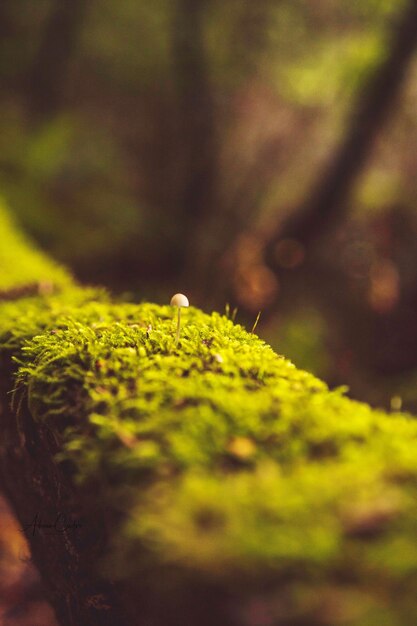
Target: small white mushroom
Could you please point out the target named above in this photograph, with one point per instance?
(179, 300)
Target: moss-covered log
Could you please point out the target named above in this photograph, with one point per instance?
(206, 483)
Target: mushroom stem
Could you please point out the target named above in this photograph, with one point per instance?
(179, 300)
(178, 326)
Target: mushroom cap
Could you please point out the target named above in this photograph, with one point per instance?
(179, 300)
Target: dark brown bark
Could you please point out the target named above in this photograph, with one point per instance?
(69, 562)
(37, 488)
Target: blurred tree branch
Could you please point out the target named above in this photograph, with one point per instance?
(325, 208)
(195, 110)
(48, 74)
(328, 200)
(215, 219)
(327, 204)
(365, 331)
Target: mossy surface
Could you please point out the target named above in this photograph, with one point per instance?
(229, 460)
(22, 266)
(226, 462)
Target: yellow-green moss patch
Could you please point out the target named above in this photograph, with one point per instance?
(223, 461)
(22, 265)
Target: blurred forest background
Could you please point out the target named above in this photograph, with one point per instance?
(257, 153)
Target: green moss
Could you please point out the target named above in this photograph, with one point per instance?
(21, 265)
(240, 462)
(226, 461)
